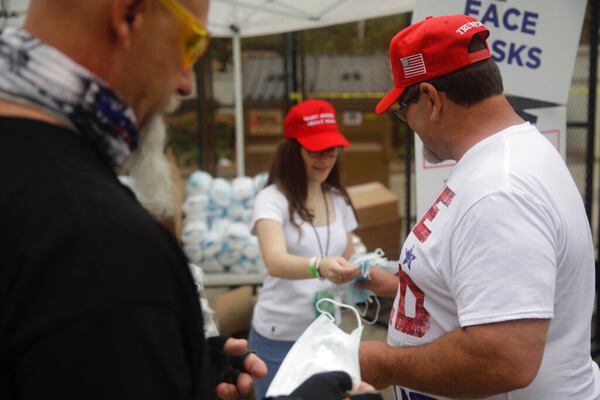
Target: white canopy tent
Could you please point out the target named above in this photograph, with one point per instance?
(246, 18)
(265, 17)
(16, 12)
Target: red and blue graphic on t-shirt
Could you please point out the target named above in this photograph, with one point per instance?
(421, 231)
(419, 324)
(409, 257)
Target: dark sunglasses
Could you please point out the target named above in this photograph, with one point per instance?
(401, 111)
(330, 152)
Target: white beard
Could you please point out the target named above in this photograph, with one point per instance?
(151, 173)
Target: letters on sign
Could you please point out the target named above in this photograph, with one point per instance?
(514, 20)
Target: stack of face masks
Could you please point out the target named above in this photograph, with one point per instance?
(216, 231)
(191, 237)
(220, 196)
(242, 201)
(198, 183)
(365, 261)
(260, 180)
(195, 207)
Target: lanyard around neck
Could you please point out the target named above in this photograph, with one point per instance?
(326, 252)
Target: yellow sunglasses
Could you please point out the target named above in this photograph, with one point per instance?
(195, 38)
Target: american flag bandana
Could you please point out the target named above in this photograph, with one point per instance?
(413, 65)
(36, 74)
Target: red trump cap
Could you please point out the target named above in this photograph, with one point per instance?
(313, 124)
(431, 48)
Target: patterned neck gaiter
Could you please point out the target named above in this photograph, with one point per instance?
(35, 74)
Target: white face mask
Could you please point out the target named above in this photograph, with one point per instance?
(323, 347)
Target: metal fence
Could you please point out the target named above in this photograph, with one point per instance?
(579, 124)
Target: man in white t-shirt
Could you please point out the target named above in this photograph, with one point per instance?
(495, 289)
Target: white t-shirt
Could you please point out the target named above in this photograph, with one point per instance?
(507, 239)
(285, 307)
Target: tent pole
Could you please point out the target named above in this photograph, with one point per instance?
(239, 105)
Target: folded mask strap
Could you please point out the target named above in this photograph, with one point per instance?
(364, 313)
(337, 303)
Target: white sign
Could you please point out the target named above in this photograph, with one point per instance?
(431, 178)
(352, 118)
(533, 42)
(535, 45)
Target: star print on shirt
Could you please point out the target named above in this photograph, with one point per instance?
(409, 257)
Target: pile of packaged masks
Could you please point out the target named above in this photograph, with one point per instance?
(216, 231)
(351, 294)
(366, 261)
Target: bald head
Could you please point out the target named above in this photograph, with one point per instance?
(77, 28)
(45, 13)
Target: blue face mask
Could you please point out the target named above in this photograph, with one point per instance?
(366, 261)
(355, 295)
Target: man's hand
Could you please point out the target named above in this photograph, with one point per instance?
(476, 361)
(370, 366)
(382, 282)
(254, 366)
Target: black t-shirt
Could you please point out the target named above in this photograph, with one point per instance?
(96, 299)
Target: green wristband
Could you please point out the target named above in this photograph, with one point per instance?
(312, 267)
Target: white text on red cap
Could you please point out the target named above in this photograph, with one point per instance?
(468, 26)
(319, 119)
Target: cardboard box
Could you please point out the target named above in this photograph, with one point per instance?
(384, 236)
(234, 310)
(379, 223)
(374, 203)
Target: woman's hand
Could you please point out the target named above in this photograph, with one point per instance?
(337, 270)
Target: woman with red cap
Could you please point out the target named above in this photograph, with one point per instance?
(303, 219)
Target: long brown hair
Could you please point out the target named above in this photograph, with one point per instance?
(288, 173)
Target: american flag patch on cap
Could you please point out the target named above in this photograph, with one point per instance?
(413, 65)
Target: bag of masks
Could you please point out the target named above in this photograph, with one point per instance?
(323, 347)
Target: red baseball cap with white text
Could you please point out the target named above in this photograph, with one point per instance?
(313, 124)
(431, 48)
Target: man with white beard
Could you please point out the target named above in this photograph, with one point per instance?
(151, 175)
(96, 299)
(151, 179)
